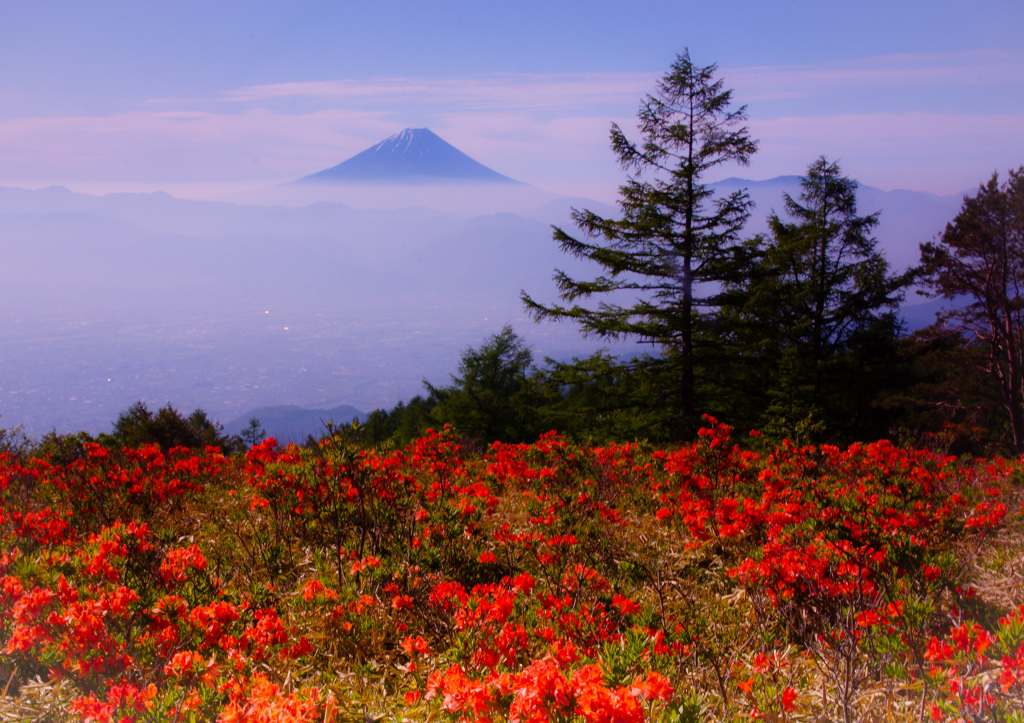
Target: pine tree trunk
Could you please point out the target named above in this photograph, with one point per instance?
(686, 396)
(686, 393)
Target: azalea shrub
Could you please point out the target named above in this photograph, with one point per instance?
(724, 580)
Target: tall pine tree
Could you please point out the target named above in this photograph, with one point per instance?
(820, 309)
(663, 262)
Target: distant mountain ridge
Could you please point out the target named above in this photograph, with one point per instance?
(291, 423)
(415, 155)
(115, 298)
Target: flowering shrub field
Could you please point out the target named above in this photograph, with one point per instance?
(523, 583)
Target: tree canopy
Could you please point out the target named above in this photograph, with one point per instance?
(979, 259)
(490, 396)
(818, 306)
(663, 260)
(169, 428)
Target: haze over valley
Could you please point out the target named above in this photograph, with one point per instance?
(238, 206)
(231, 307)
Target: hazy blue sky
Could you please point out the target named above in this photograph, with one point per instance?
(203, 97)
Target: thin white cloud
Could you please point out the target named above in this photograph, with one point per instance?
(938, 152)
(943, 153)
(911, 71)
(174, 145)
(527, 91)
(141, 150)
(503, 90)
(549, 130)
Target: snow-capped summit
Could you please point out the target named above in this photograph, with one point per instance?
(415, 155)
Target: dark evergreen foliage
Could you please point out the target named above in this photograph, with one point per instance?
(253, 433)
(602, 399)
(663, 262)
(948, 400)
(492, 397)
(815, 318)
(169, 428)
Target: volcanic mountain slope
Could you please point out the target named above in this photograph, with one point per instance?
(416, 155)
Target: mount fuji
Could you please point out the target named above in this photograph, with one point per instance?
(414, 156)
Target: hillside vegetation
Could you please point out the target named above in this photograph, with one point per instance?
(726, 579)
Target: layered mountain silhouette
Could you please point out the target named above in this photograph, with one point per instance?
(234, 307)
(416, 155)
(290, 423)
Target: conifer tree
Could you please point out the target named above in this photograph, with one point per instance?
(820, 307)
(492, 396)
(662, 263)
